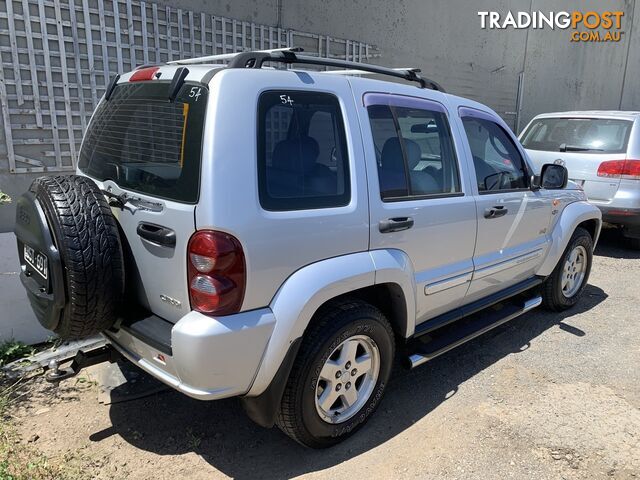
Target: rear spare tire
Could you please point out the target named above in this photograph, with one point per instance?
(71, 255)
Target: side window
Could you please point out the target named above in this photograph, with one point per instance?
(497, 161)
(414, 152)
(302, 151)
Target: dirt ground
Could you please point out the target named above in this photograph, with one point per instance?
(546, 396)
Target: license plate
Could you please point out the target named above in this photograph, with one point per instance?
(36, 260)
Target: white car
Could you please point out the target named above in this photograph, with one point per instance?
(601, 150)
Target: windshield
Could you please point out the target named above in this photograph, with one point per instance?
(590, 135)
(147, 143)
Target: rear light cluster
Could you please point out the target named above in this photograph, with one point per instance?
(620, 169)
(216, 273)
(144, 74)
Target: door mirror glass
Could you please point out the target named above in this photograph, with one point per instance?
(553, 176)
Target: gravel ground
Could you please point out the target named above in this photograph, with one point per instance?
(546, 396)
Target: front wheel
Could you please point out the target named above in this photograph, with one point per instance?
(339, 375)
(563, 288)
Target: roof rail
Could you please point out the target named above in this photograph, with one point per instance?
(430, 83)
(289, 56)
(228, 56)
(255, 59)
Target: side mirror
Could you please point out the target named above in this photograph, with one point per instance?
(535, 182)
(553, 177)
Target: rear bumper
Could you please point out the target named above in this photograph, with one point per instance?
(627, 217)
(624, 208)
(209, 358)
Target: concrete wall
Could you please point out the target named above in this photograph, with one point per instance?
(17, 321)
(444, 38)
(561, 75)
(13, 185)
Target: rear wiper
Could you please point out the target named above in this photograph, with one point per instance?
(118, 201)
(574, 148)
(128, 202)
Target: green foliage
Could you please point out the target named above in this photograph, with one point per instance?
(13, 350)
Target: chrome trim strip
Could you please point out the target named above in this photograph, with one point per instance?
(447, 283)
(506, 264)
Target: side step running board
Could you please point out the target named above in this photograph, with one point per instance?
(434, 344)
(508, 294)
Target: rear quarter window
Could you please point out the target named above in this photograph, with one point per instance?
(302, 151)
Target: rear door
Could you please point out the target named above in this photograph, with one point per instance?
(418, 194)
(144, 150)
(512, 219)
(581, 144)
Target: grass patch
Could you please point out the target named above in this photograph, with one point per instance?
(20, 459)
(13, 350)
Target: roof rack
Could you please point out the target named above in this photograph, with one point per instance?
(228, 56)
(289, 56)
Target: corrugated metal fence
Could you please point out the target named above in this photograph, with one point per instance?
(56, 56)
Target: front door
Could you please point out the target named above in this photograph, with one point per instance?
(512, 219)
(419, 198)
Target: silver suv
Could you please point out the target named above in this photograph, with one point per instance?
(601, 150)
(279, 235)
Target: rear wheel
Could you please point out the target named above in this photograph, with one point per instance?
(563, 288)
(339, 375)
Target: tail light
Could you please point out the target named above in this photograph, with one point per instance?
(629, 169)
(144, 74)
(216, 273)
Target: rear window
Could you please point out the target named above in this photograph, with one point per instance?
(146, 143)
(589, 135)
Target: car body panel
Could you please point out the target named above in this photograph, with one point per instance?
(570, 216)
(299, 298)
(510, 248)
(203, 350)
(440, 243)
(275, 244)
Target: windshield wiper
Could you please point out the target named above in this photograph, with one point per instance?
(128, 202)
(118, 201)
(574, 148)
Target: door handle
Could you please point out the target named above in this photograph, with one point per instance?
(395, 224)
(157, 234)
(495, 211)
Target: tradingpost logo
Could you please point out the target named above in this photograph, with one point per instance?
(585, 26)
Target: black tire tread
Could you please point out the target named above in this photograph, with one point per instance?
(86, 235)
(550, 295)
(326, 321)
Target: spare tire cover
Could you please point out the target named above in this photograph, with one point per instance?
(71, 255)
